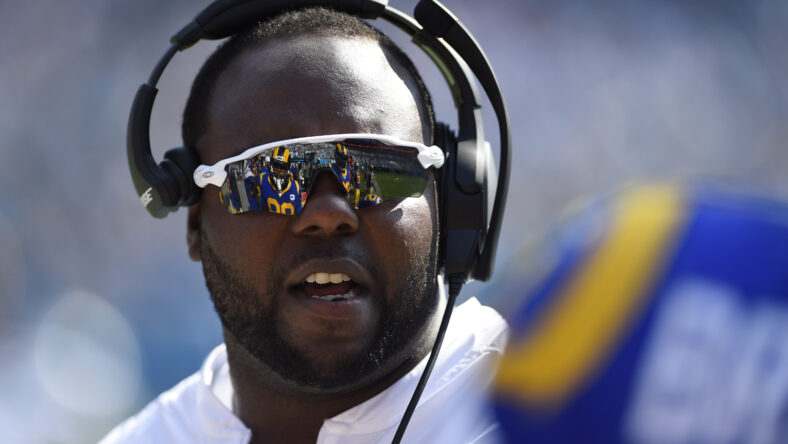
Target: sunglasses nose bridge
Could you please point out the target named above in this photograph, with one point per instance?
(327, 210)
(328, 177)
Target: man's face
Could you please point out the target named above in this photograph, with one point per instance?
(257, 264)
(280, 175)
(280, 172)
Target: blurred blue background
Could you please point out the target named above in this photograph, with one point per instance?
(100, 307)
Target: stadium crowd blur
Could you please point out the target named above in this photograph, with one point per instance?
(94, 322)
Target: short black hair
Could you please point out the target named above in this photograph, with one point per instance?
(315, 21)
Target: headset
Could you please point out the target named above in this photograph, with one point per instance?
(471, 210)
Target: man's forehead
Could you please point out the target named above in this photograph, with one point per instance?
(312, 54)
(307, 85)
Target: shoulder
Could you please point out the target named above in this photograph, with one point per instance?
(462, 379)
(168, 418)
(483, 323)
(190, 412)
(474, 342)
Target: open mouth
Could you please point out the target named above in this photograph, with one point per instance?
(330, 287)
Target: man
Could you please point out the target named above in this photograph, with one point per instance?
(371, 197)
(298, 367)
(279, 190)
(343, 167)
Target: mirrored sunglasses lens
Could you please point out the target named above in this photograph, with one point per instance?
(278, 180)
(262, 183)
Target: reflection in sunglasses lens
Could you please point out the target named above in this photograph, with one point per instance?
(278, 180)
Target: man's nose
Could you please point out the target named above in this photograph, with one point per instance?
(327, 210)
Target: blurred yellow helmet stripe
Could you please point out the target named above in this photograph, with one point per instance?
(597, 304)
(281, 154)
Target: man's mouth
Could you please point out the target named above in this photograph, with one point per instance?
(329, 287)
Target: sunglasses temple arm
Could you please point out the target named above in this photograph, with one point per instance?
(206, 175)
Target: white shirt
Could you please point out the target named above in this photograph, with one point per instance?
(451, 409)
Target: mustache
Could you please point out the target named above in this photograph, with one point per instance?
(331, 251)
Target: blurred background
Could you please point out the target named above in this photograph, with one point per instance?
(100, 307)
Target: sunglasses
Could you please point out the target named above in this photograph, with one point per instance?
(277, 177)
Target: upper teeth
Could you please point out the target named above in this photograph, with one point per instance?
(324, 278)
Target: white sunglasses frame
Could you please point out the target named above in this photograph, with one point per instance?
(204, 175)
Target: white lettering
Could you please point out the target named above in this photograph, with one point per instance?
(715, 370)
(146, 197)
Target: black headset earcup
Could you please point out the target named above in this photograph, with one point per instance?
(463, 213)
(180, 163)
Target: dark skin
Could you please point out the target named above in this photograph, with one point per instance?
(303, 86)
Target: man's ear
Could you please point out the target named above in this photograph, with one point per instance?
(193, 232)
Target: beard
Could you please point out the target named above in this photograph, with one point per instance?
(253, 317)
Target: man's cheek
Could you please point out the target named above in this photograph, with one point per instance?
(415, 227)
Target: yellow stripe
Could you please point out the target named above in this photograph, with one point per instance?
(595, 308)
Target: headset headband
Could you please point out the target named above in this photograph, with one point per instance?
(472, 236)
